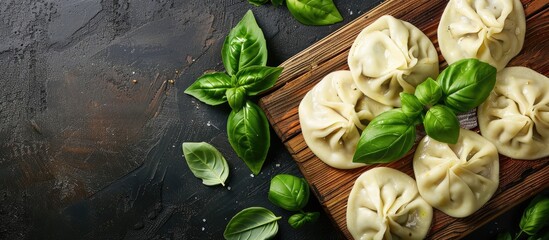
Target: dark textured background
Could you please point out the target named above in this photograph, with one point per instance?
(85, 153)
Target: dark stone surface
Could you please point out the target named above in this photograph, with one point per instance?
(86, 152)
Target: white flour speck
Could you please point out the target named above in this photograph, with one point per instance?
(252, 175)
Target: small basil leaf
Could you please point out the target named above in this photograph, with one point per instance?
(258, 2)
(248, 132)
(206, 163)
(210, 88)
(314, 12)
(256, 79)
(277, 3)
(289, 192)
(542, 235)
(504, 236)
(252, 223)
(410, 105)
(388, 137)
(244, 46)
(442, 124)
(299, 219)
(236, 97)
(466, 84)
(536, 215)
(428, 92)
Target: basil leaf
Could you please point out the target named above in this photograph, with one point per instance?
(388, 137)
(252, 223)
(543, 235)
(410, 105)
(236, 97)
(206, 163)
(504, 236)
(277, 3)
(536, 215)
(256, 79)
(442, 124)
(428, 92)
(210, 88)
(466, 84)
(244, 46)
(258, 2)
(314, 12)
(249, 135)
(289, 192)
(299, 219)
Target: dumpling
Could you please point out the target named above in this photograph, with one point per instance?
(332, 116)
(390, 56)
(515, 117)
(490, 30)
(385, 204)
(457, 179)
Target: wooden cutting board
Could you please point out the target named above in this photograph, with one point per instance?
(519, 180)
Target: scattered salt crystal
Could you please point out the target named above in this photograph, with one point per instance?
(204, 220)
(229, 188)
(277, 165)
(252, 175)
(203, 228)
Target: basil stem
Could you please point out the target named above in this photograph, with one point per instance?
(210, 88)
(206, 163)
(442, 124)
(254, 223)
(289, 192)
(314, 12)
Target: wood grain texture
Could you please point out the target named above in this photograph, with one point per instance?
(519, 180)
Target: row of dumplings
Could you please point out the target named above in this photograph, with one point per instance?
(392, 56)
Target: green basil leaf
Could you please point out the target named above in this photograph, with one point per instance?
(466, 84)
(256, 79)
(314, 12)
(210, 88)
(442, 124)
(410, 105)
(541, 235)
(236, 97)
(258, 2)
(536, 215)
(299, 219)
(277, 3)
(428, 92)
(388, 137)
(289, 192)
(248, 132)
(244, 46)
(206, 163)
(254, 223)
(504, 236)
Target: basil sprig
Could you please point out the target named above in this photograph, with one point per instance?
(534, 220)
(308, 12)
(292, 193)
(461, 87)
(244, 55)
(206, 163)
(254, 223)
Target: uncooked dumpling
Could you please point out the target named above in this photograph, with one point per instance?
(385, 204)
(515, 117)
(457, 178)
(390, 56)
(490, 30)
(332, 116)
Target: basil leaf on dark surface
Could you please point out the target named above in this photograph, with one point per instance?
(388, 137)
(256, 79)
(258, 2)
(314, 12)
(504, 236)
(277, 3)
(210, 88)
(244, 46)
(410, 105)
(428, 92)
(536, 215)
(236, 97)
(248, 132)
(299, 219)
(289, 192)
(466, 84)
(206, 163)
(254, 223)
(442, 124)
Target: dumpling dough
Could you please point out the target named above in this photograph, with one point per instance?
(390, 56)
(515, 117)
(457, 178)
(385, 204)
(332, 116)
(490, 30)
